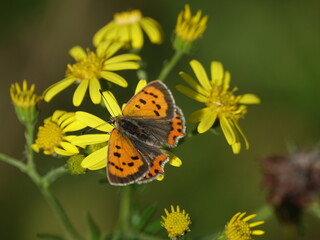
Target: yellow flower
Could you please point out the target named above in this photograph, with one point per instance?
(52, 137)
(176, 222)
(189, 28)
(25, 101)
(92, 66)
(221, 102)
(127, 27)
(98, 159)
(239, 229)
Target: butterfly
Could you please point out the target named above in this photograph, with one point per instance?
(149, 121)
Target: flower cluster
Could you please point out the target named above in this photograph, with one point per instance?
(132, 144)
(221, 103)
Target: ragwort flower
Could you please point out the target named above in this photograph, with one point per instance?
(127, 27)
(92, 66)
(239, 229)
(176, 222)
(221, 102)
(98, 159)
(52, 137)
(188, 29)
(25, 101)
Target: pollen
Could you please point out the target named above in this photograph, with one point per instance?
(226, 103)
(49, 136)
(88, 68)
(128, 17)
(176, 223)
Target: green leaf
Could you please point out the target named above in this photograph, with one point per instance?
(94, 231)
(49, 236)
(153, 227)
(145, 217)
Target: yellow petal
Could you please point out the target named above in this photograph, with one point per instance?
(111, 104)
(78, 53)
(236, 147)
(228, 130)
(249, 99)
(192, 83)
(96, 160)
(216, 72)
(80, 92)
(54, 89)
(114, 78)
(160, 178)
(35, 147)
(207, 121)
(254, 224)
(198, 115)
(257, 232)
(200, 74)
(93, 121)
(60, 151)
(98, 37)
(69, 147)
(174, 160)
(192, 94)
(137, 36)
(141, 84)
(74, 126)
(94, 91)
(242, 134)
(121, 66)
(123, 58)
(89, 139)
(152, 29)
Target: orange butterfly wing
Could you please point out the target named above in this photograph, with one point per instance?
(125, 164)
(156, 168)
(153, 102)
(178, 129)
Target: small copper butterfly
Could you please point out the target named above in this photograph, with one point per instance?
(149, 120)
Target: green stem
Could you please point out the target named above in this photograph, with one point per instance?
(54, 174)
(125, 205)
(14, 162)
(170, 65)
(29, 135)
(56, 205)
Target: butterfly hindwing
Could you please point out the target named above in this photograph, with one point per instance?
(177, 130)
(125, 164)
(154, 101)
(155, 158)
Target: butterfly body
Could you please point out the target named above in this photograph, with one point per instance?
(149, 121)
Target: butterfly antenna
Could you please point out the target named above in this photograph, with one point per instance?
(106, 101)
(91, 128)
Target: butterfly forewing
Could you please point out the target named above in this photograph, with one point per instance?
(125, 164)
(153, 102)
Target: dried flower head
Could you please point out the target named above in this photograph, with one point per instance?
(292, 182)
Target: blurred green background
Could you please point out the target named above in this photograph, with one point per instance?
(270, 47)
